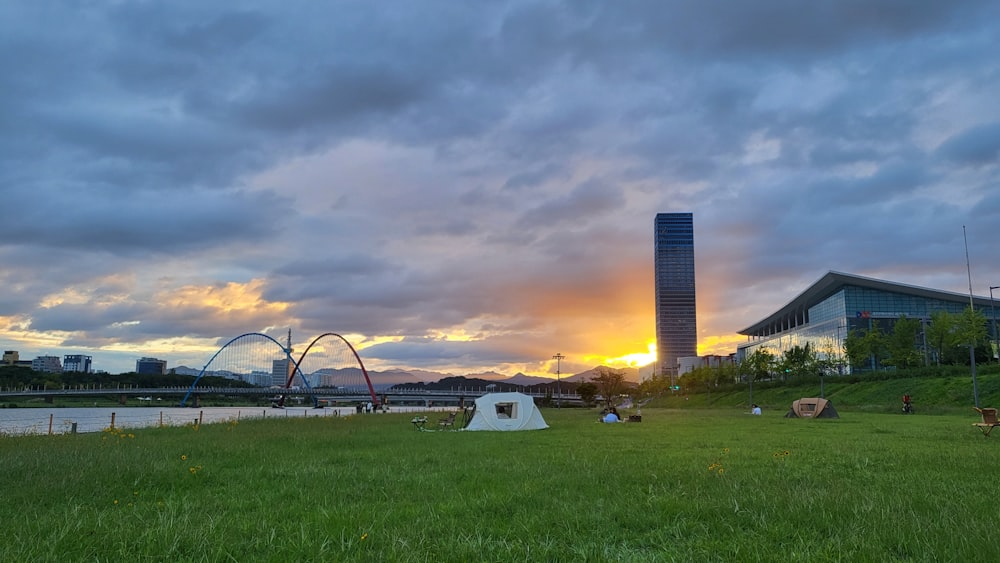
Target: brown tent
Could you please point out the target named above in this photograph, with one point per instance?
(812, 408)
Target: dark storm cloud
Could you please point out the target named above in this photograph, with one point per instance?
(591, 199)
(489, 171)
(979, 145)
(779, 28)
(142, 221)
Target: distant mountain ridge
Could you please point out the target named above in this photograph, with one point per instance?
(398, 376)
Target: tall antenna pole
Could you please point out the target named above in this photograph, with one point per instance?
(290, 367)
(972, 310)
(968, 268)
(558, 358)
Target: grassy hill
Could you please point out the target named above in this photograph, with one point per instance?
(932, 394)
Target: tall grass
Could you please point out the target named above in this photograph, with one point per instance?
(699, 485)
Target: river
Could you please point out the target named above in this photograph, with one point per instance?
(40, 420)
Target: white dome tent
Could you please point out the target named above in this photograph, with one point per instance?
(506, 412)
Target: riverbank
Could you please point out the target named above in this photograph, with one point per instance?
(70, 420)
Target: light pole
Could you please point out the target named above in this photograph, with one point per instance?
(993, 313)
(558, 358)
(972, 311)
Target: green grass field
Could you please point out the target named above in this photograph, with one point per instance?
(694, 485)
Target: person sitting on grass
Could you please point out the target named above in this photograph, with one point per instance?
(754, 409)
(612, 416)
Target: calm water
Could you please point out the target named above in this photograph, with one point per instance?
(36, 420)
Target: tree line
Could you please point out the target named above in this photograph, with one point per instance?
(19, 376)
(910, 343)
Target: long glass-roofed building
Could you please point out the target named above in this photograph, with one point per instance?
(824, 314)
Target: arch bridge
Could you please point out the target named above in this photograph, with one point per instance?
(329, 360)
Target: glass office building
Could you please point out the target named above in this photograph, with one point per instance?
(676, 315)
(77, 363)
(824, 314)
(150, 366)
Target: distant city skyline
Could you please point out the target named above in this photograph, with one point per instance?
(190, 369)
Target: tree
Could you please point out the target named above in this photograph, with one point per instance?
(875, 342)
(865, 347)
(800, 360)
(832, 360)
(655, 386)
(856, 349)
(611, 383)
(970, 330)
(757, 365)
(587, 392)
(970, 327)
(902, 343)
(940, 333)
(702, 378)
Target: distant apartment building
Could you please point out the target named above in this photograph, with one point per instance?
(150, 366)
(280, 372)
(676, 313)
(77, 363)
(10, 357)
(259, 377)
(50, 364)
(225, 373)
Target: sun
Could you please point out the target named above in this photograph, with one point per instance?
(637, 359)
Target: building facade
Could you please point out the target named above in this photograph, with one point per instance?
(150, 366)
(10, 357)
(77, 363)
(281, 370)
(826, 312)
(49, 364)
(676, 314)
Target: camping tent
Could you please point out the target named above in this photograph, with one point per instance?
(506, 411)
(812, 408)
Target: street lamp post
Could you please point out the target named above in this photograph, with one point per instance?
(558, 358)
(993, 313)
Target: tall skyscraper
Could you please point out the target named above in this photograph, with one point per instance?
(676, 315)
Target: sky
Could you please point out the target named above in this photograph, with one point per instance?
(471, 186)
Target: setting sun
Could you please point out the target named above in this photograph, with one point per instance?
(637, 359)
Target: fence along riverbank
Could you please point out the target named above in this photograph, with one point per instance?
(14, 422)
(25, 421)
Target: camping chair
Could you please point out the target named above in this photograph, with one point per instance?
(467, 414)
(989, 421)
(448, 421)
(419, 422)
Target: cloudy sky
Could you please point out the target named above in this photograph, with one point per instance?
(471, 186)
